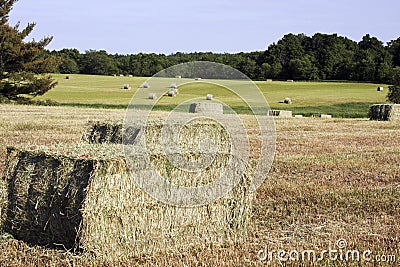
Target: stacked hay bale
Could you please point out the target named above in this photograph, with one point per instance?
(384, 112)
(84, 197)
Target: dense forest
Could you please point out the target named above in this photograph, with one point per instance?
(297, 57)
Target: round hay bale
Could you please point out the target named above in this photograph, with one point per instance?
(127, 86)
(176, 91)
(379, 89)
(197, 79)
(68, 77)
(174, 86)
(146, 85)
(209, 97)
(171, 93)
(152, 96)
(287, 100)
(178, 77)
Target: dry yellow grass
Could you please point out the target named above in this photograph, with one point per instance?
(330, 179)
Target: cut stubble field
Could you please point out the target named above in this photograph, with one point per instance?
(331, 179)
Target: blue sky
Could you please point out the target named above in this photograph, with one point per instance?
(129, 27)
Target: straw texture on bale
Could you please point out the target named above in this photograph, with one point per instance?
(102, 132)
(85, 198)
(191, 136)
(384, 112)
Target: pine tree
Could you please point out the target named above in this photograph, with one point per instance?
(21, 63)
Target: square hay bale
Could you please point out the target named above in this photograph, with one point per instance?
(85, 199)
(96, 132)
(323, 116)
(209, 97)
(384, 112)
(280, 113)
(187, 135)
(127, 86)
(206, 107)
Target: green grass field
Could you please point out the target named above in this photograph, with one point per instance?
(341, 99)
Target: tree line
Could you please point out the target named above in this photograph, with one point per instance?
(24, 65)
(297, 57)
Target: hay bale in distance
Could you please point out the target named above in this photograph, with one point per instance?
(280, 113)
(84, 197)
(298, 116)
(209, 97)
(146, 85)
(197, 79)
(174, 86)
(287, 100)
(176, 91)
(384, 112)
(152, 96)
(323, 116)
(68, 77)
(269, 80)
(178, 77)
(379, 89)
(127, 86)
(171, 93)
(206, 107)
(290, 81)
